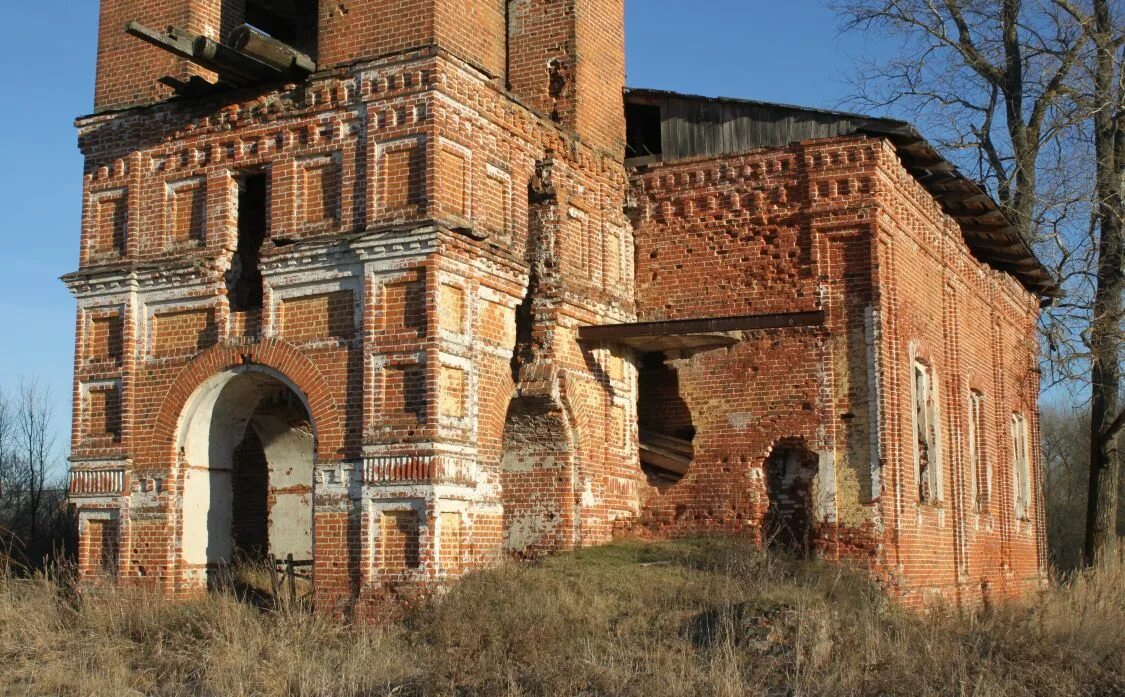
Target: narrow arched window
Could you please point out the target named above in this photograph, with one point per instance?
(927, 442)
(1021, 467)
(979, 476)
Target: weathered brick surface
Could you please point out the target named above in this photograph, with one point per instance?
(839, 226)
(441, 216)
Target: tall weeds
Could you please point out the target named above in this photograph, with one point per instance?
(699, 617)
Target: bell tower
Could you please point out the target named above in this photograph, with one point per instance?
(334, 255)
(531, 47)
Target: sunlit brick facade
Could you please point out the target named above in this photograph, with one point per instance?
(347, 318)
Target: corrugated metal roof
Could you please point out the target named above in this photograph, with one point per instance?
(693, 126)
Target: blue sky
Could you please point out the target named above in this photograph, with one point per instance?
(786, 51)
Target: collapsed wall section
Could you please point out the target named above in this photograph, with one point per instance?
(769, 234)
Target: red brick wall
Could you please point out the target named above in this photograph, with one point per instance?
(976, 327)
(839, 226)
(567, 62)
(433, 245)
(413, 351)
(98, 549)
(128, 69)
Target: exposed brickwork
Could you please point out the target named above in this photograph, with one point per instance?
(183, 333)
(98, 549)
(452, 543)
(840, 226)
(441, 208)
(322, 316)
(399, 550)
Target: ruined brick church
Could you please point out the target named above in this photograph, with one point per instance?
(395, 289)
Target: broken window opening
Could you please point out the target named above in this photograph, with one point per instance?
(927, 456)
(523, 350)
(643, 131)
(791, 478)
(1021, 467)
(293, 22)
(666, 428)
(979, 477)
(245, 276)
(558, 77)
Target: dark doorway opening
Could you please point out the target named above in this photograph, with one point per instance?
(666, 429)
(245, 277)
(791, 479)
(250, 485)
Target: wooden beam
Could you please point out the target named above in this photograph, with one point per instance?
(713, 325)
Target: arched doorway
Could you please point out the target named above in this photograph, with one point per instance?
(791, 481)
(248, 448)
(537, 478)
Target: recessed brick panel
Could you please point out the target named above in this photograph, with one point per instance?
(404, 307)
(102, 417)
(106, 339)
(495, 199)
(320, 193)
(183, 333)
(404, 394)
(188, 212)
(111, 223)
(618, 426)
(400, 548)
(451, 315)
(498, 324)
(319, 317)
(402, 178)
(99, 549)
(455, 181)
(452, 542)
(453, 392)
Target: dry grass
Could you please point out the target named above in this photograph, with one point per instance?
(698, 617)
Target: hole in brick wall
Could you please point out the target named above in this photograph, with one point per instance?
(536, 462)
(245, 276)
(558, 76)
(666, 429)
(522, 352)
(294, 22)
(642, 130)
(791, 471)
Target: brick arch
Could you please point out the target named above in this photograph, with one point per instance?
(274, 354)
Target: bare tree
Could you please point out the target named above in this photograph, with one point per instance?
(33, 521)
(1066, 462)
(1105, 102)
(8, 485)
(37, 447)
(986, 79)
(1028, 94)
(1066, 470)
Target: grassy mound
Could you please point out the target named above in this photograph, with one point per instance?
(694, 617)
